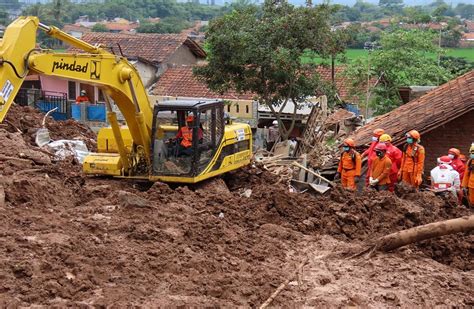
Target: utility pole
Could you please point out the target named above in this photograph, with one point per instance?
(369, 46)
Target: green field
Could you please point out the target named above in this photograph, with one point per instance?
(467, 53)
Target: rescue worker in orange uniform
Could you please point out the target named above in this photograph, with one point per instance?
(370, 152)
(380, 169)
(350, 165)
(395, 155)
(413, 160)
(468, 179)
(456, 163)
(185, 136)
(82, 97)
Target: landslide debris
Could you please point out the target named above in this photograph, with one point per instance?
(71, 240)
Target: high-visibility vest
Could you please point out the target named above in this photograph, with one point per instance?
(187, 140)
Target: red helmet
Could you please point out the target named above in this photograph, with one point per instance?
(379, 132)
(349, 142)
(444, 160)
(454, 151)
(381, 147)
(414, 134)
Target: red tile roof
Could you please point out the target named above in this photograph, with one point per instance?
(468, 37)
(75, 27)
(156, 48)
(180, 82)
(432, 110)
(121, 26)
(469, 25)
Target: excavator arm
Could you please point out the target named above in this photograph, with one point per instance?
(114, 76)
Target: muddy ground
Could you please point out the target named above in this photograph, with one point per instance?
(67, 239)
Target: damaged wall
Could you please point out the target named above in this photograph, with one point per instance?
(458, 133)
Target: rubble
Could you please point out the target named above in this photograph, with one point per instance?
(71, 240)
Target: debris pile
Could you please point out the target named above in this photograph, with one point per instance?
(71, 240)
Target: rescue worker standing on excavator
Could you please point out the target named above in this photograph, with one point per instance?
(454, 154)
(370, 152)
(395, 155)
(413, 160)
(444, 178)
(468, 179)
(350, 165)
(380, 169)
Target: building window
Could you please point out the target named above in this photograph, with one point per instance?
(237, 107)
(247, 108)
(71, 90)
(228, 108)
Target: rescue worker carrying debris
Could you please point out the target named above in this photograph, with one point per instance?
(413, 160)
(468, 179)
(370, 152)
(380, 169)
(457, 164)
(350, 165)
(395, 156)
(444, 178)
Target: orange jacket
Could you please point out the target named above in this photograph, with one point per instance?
(82, 98)
(187, 134)
(350, 161)
(413, 159)
(381, 170)
(468, 179)
(458, 166)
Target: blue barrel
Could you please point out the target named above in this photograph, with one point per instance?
(353, 108)
(96, 112)
(76, 111)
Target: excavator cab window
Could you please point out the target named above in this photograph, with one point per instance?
(183, 148)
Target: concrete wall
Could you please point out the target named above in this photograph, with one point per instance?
(49, 83)
(182, 56)
(459, 133)
(147, 72)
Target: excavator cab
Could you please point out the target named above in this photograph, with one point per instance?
(173, 157)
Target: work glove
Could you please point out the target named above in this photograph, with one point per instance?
(337, 176)
(418, 180)
(399, 175)
(465, 191)
(373, 182)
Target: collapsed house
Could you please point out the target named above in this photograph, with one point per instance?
(444, 117)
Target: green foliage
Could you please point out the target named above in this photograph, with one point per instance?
(166, 25)
(455, 65)
(260, 52)
(402, 60)
(99, 28)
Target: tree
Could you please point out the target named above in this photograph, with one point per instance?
(166, 25)
(260, 53)
(402, 60)
(392, 6)
(99, 28)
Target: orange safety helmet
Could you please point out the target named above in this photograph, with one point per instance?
(462, 158)
(190, 118)
(379, 132)
(454, 151)
(349, 142)
(414, 134)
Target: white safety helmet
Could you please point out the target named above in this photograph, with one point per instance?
(83, 92)
(275, 122)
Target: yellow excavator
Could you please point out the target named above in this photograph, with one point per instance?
(149, 146)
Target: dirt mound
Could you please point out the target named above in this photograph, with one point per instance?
(28, 120)
(71, 240)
